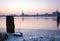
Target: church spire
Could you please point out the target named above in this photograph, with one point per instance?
(22, 12)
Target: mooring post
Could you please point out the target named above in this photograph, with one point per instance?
(58, 18)
(10, 24)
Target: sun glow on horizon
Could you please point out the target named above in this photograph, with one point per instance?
(28, 6)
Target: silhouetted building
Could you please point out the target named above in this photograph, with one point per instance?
(22, 13)
(37, 14)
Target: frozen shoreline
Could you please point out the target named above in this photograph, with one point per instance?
(34, 38)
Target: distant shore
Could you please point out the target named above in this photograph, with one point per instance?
(29, 16)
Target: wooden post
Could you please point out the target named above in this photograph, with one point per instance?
(10, 24)
(58, 18)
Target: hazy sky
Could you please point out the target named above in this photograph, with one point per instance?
(29, 6)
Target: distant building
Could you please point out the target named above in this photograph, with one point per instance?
(22, 13)
(37, 14)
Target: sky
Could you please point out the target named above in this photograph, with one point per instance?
(28, 6)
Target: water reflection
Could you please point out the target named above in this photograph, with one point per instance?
(48, 23)
(35, 23)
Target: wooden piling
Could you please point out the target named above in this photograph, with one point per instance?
(58, 18)
(10, 24)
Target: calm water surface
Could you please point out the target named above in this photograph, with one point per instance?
(33, 26)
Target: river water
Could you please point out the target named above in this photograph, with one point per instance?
(34, 26)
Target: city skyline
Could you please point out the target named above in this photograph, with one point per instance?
(29, 6)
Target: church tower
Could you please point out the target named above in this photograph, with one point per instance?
(22, 13)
